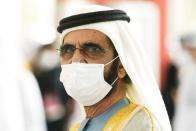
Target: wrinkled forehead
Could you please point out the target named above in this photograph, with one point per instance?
(85, 35)
(107, 30)
(86, 32)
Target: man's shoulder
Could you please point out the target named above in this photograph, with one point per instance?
(123, 116)
(142, 120)
(133, 117)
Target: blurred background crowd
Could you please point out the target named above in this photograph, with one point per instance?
(33, 99)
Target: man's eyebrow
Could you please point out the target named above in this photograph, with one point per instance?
(65, 45)
(91, 43)
(94, 44)
(88, 43)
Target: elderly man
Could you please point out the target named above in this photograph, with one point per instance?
(106, 71)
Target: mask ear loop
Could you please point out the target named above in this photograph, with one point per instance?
(108, 64)
(114, 81)
(111, 61)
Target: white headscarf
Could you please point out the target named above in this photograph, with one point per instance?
(133, 58)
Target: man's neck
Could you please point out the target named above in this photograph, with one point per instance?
(117, 94)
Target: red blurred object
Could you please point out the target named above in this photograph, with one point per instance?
(164, 58)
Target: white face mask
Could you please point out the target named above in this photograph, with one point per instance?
(85, 82)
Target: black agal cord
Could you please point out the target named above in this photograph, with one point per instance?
(92, 17)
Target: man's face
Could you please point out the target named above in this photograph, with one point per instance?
(87, 46)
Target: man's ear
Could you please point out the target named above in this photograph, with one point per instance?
(121, 71)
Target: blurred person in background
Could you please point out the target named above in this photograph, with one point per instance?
(170, 90)
(107, 72)
(186, 96)
(58, 105)
(21, 106)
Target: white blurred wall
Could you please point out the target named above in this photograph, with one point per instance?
(181, 16)
(181, 19)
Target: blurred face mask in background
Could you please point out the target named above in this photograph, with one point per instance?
(85, 82)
